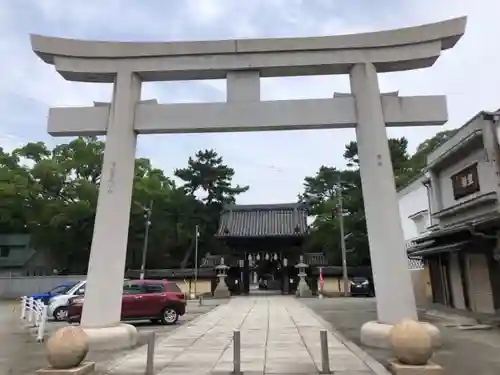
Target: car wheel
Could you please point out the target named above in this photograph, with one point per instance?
(169, 316)
(60, 314)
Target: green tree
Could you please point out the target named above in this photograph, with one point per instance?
(52, 195)
(321, 192)
(15, 193)
(208, 173)
(401, 161)
(62, 194)
(419, 159)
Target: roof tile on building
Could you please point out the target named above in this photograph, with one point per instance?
(272, 220)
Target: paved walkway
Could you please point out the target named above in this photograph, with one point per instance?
(278, 336)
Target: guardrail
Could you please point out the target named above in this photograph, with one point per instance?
(35, 312)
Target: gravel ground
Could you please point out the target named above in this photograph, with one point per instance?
(463, 352)
(20, 354)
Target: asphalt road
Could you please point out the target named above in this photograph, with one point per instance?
(20, 354)
(463, 352)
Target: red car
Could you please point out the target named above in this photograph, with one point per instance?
(160, 301)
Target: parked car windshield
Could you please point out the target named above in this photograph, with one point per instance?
(62, 289)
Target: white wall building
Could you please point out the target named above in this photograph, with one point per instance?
(414, 208)
(414, 212)
(451, 217)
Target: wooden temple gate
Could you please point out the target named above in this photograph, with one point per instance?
(262, 245)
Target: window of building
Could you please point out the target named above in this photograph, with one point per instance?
(4, 251)
(465, 182)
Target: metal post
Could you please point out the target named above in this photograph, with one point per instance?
(325, 359)
(150, 358)
(197, 234)
(147, 223)
(342, 240)
(236, 352)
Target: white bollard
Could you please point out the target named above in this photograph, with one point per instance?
(41, 328)
(23, 307)
(39, 311)
(30, 306)
(37, 316)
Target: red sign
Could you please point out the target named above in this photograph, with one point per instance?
(321, 280)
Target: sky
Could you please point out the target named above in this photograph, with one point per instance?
(273, 164)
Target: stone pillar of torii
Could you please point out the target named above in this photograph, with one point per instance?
(242, 63)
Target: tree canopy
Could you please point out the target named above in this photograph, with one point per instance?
(322, 192)
(52, 195)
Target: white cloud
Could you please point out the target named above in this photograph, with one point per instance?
(274, 164)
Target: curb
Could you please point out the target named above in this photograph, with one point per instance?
(367, 359)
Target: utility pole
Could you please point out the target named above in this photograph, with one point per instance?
(197, 234)
(342, 239)
(147, 223)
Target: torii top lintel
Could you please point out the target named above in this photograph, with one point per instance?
(391, 50)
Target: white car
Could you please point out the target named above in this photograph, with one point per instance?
(58, 305)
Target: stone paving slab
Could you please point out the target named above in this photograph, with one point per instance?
(279, 335)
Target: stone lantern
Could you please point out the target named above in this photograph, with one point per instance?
(222, 291)
(303, 289)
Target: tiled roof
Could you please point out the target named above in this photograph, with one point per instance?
(272, 220)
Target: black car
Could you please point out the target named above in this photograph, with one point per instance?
(361, 286)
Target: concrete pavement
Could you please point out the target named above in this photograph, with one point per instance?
(23, 355)
(462, 353)
(279, 335)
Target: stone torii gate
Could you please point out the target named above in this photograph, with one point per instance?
(242, 63)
